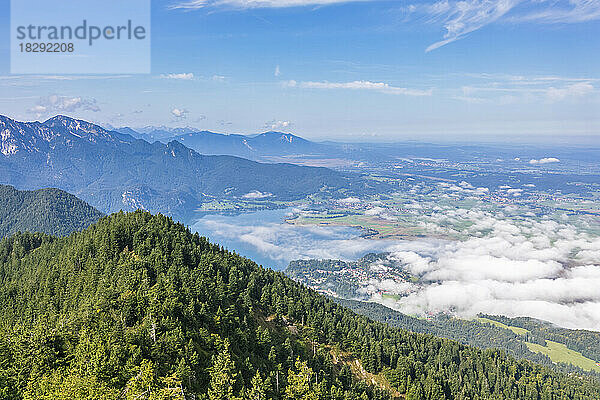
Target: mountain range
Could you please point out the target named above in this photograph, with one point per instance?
(255, 147)
(114, 171)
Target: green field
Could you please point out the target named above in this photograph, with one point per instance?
(558, 352)
(384, 228)
(518, 331)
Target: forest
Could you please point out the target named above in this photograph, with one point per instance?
(486, 336)
(585, 342)
(51, 211)
(138, 307)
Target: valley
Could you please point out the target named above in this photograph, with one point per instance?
(483, 253)
(165, 293)
(300, 200)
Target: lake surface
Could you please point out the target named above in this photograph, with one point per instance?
(266, 238)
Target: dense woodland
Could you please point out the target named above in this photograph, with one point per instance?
(585, 342)
(317, 273)
(138, 307)
(483, 335)
(50, 211)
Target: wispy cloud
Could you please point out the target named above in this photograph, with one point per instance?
(360, 85)
(574, 90)
(460, 18)
(512, 88)
(571, 11)
(463, 17)
(281, 243)
(244, 4)
(181, 76)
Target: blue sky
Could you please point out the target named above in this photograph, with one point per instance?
(351, 70)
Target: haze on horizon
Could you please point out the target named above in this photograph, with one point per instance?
(346, 71)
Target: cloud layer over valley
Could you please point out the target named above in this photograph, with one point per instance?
(527, 267)
(508, 263)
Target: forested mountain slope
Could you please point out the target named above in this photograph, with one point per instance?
(486, 335)
(50, 211)
(138, 307)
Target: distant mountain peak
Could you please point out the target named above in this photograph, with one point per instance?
(72, 123)
(36, 137)
(282, 137)
(197, 133)
(59, 118)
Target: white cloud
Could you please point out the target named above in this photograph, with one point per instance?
(218, 78)
(59, 104)
(571, 11)
(360, 85)
(39, 109)
(510, 89)
(523, 267)
(542, 269)
(349, 200)
(579, 89)
(278, 125)
(375, 211)
(244, 4)
(462, 17)
(478, 267)
(179, 113)
(255, 194)
(277, 71)
(281, 243)
(515, 192)
(373, 288)
(182, 76)
(547, 160)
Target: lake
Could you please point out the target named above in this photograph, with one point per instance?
(266, 238)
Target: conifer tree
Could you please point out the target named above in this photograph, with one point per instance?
(222, 375)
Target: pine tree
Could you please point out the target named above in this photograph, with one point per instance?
(258, 389)
(222, 375)
(298, 387)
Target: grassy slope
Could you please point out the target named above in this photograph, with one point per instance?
(557, 352)
(514, 329)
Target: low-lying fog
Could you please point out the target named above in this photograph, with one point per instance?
(538, 268)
